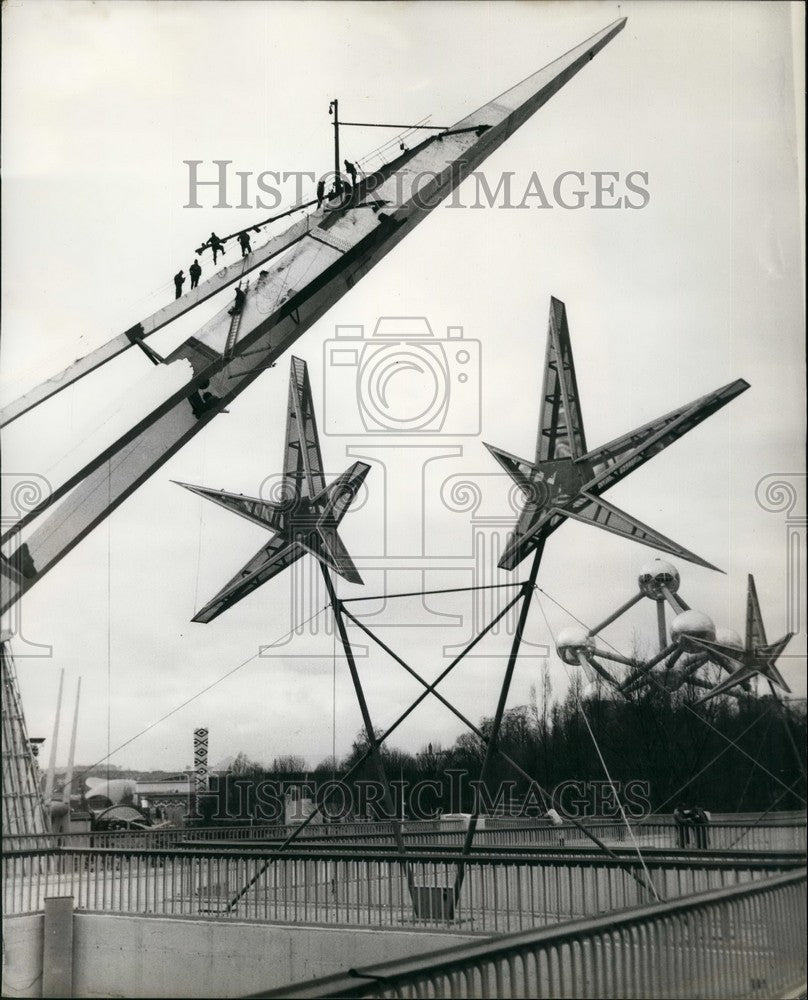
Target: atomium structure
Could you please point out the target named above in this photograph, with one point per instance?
(679, 656)
(676, 662)
(686, 644)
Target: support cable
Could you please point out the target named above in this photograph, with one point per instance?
(752, 769)
(184, 704)
(109, 620)
(765, 812)
(423, 593)
(781, 712)
(602, 761)
(690, 709)
(404, 128)
(708, 765)
(334, 705)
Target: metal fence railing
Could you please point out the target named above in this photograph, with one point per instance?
(722, 835)
(743, 941)
(500, 893)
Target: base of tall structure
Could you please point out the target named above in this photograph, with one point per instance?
(23, 805)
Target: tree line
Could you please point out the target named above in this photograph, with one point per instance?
(743, 754)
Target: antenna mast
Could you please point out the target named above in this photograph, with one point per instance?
(333, 109)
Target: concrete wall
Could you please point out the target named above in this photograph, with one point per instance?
(140, 956)
(23, 946)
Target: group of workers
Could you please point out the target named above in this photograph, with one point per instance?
(691, 821)
(340, 187)
(216, 244)
(194, 272)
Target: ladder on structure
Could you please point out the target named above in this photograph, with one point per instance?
(235, 323)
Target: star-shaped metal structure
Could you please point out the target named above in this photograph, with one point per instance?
(566, 480)
(756, 657)
(306, 519)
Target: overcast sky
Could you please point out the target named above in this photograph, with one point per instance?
(103, 102)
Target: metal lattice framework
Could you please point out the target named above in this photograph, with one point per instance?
(23, 804)
(306, 521)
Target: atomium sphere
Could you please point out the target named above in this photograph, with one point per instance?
(656, 575)
(728, 637)
(692, 624)
(571, 641)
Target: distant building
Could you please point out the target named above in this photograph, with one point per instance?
(167, 799)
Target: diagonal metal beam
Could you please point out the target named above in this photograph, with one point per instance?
(430, 689)
(364, 757)
(526, 594)
(363, 707)
(615, 615)
(135, 335)
(637, 675)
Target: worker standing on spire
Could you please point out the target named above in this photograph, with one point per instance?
(350, 169)
(244, 243)
(179, 281)
(216, 245)
(320, 192)
(195, 271)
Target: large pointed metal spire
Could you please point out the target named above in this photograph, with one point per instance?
(566, 480)
(309, 267)
(306, 519)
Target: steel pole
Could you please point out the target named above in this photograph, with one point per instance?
(337, 181)
(363, 708)
(491, 749)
